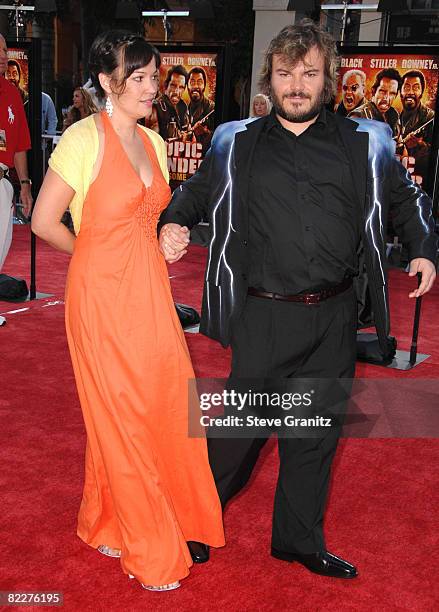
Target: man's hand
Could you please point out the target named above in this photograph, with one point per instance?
(199, 129)
(415, 142)
(26, 199)
(428, 271)
(173, 241)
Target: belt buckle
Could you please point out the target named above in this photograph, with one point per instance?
(312, 298)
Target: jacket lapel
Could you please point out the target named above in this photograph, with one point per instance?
(245, 143)
(356, 144)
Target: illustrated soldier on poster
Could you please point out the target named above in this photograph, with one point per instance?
(13, 74)
(170, 113)
(17, 72)
(416, 121)
(201, 109)
(353, 92)
(384, 91)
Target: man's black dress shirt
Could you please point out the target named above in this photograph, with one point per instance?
(303, 213)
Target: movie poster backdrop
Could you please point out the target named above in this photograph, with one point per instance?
(188, 106)
(401, 88)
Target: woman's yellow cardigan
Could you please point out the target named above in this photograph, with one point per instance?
(74, 157)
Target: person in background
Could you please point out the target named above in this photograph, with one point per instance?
(88, 86)
(49, 119)
(83, 106)
(14, 143)
(13, 74)
(260, 105)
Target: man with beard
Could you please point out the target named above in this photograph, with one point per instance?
(169, 115)
(13, 74)
(415, 115)
(353, 90)
(296, 215)
(200, 108)
(384, 91)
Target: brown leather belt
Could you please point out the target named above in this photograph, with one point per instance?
(304, 298)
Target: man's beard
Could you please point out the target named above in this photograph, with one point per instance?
(298, 116)
(198, 96)
(410, 108)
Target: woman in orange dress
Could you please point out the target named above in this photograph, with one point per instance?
(148, 486)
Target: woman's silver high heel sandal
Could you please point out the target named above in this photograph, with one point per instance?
(164, 587)
(108, 551)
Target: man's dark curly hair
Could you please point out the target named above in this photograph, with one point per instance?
(293, 42)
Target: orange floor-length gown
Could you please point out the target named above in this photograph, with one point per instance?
(148, 486)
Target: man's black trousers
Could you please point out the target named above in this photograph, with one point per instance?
(275, 340)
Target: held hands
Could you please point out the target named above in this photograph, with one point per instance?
(173, 241)
(428, 272)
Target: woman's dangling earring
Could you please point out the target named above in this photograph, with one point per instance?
(109, 106)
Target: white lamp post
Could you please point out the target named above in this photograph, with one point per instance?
(164, 14)
(17, 8)
(345, 7)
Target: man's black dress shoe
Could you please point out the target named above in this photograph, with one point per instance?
(199, 552)
(324, 563)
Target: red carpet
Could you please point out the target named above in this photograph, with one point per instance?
(382, 512)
